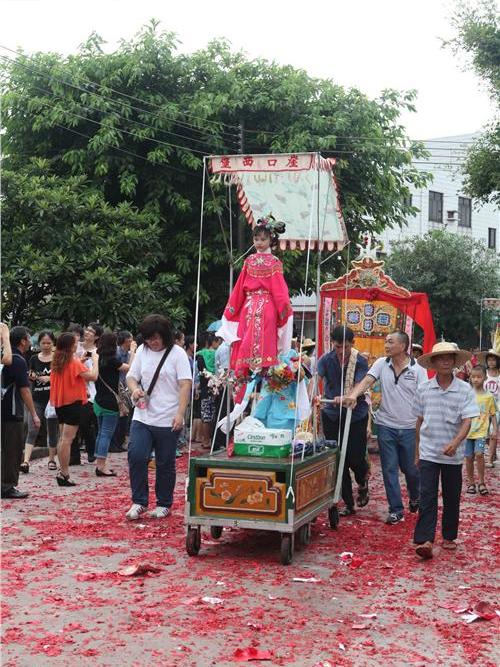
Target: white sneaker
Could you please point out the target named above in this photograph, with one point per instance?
(135, 512)
(159, 513)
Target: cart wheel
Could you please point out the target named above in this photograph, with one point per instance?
(304, 534)
(216, 532)
(333, 515)
(286, 549)
(193, 541)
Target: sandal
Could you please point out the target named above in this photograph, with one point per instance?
(363, 495)
(347, 511)
(64, 480)
(52, 465)
(24, 468)
(101, 473)
(424, 550)
(471, 488)
(483, 490)
(451, 545)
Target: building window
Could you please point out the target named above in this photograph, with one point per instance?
(492, 238)
(435, 206)
(464, 211)
(408, 200)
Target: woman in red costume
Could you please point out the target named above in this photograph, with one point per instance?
(258, 318)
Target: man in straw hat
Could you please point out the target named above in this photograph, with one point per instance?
(308, 356)
(444, 407)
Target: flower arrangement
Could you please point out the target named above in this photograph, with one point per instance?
(216, 381)
(279, 377)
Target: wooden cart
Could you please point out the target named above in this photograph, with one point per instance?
(262, 494)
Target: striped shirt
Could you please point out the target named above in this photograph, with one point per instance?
(442, 412)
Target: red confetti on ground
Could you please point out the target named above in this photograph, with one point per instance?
(67, 598)
(246, 654)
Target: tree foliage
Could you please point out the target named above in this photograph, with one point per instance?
(132, 127)
(477, 35)
(69, 257)
(456, 272)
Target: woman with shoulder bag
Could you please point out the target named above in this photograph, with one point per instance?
(108, 405)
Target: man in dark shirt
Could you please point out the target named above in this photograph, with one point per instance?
(341, 369)
(16, 394)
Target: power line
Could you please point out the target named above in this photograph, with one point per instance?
(137, 99)
(371, 138)
(69, 129)
(51, 77)
(48, 92)
(120, 129)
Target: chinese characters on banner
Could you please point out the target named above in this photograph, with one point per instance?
(298, 188)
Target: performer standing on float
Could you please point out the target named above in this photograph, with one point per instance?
(258, 318)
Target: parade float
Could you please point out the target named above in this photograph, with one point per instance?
(276, 474)
(370, 303)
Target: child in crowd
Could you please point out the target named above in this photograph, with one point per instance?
(491, 360)
(478, 434)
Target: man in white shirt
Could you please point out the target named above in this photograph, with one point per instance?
(158, 415)
(399, 376)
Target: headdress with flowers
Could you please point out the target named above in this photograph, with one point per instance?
(271, 225)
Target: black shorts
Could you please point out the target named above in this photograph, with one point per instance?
(70, 414)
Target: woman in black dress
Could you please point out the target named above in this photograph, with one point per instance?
(39, 375)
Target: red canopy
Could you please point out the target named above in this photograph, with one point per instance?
(367, 282)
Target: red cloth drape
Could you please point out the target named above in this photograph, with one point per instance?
(415, 306)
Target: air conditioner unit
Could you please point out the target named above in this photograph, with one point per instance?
(451, 216)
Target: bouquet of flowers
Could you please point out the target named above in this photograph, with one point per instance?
(216, 381)
(279, 377)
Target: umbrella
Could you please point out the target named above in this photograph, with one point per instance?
(214, 326)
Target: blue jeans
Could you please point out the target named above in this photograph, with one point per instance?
(143, 438)
(106, 428)
(397, 450)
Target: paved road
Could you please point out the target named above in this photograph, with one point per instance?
(65, 603)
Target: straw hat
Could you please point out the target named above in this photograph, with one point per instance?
(461, 356)
(308, 343)
(481, 357)
(416, 346)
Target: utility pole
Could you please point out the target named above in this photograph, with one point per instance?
(241, 223)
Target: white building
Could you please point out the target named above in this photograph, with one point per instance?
(443, 204)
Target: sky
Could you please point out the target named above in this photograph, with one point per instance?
(367, 44)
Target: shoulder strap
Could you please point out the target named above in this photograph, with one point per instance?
(157, 371)
(108, 387)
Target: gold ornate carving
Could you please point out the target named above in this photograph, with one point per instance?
(367, 273)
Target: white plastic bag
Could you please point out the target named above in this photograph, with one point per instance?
(50, 411)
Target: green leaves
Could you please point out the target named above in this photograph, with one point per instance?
(104, 160)
(456, 272)
(477, 36)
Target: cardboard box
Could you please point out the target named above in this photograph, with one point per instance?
(263, 442)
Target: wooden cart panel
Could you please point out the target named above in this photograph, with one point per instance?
(314, 483)
(244, 494)
(239, 488)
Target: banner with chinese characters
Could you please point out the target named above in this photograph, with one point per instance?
(297, 188)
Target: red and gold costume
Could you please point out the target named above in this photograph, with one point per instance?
(258, 317)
